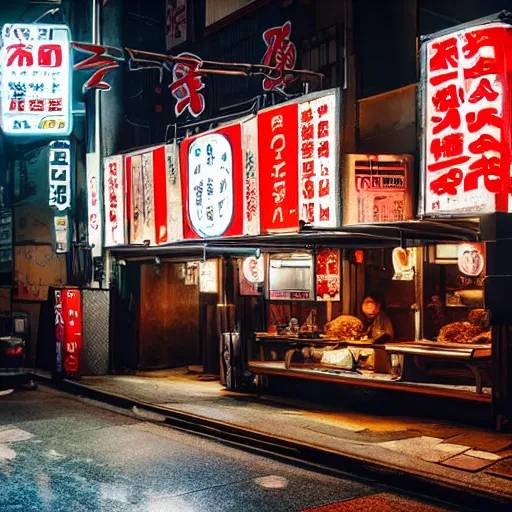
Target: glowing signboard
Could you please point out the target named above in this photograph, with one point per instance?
(35, 72)
(113, 194)
(278, 159)
(377, 188)
(318, 165)
(210, 185)
(60, 174)
(466, 161)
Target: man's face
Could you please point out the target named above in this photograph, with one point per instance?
(370, 308)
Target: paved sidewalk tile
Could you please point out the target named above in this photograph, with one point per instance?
(502, 469)
(430, 449)
(468, 463)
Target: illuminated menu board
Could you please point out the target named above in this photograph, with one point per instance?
(35, 73)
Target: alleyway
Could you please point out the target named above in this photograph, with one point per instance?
(59, 453)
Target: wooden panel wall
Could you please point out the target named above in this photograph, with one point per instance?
(169, 318)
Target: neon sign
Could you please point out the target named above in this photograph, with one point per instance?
(35, 80)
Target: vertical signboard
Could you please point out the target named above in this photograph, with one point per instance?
(59, 175)
(278, 161)
(466, 119)
(93, 204)
(68, 331)
(176, 23)
(146, 196)
(173, 184)
(35, 71)
(299, 163)
(319, 203)
(113, 197)
(212, 179)
(251, 182)
(148, 199)
(328, 274)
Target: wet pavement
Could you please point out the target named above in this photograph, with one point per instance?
(63, 453)
(450, 453)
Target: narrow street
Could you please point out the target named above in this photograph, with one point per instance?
(61, 453)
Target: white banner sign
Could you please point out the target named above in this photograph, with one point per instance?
(173, 180)
(94, 204)
(113, 194)
(251, 182)
(318, 164)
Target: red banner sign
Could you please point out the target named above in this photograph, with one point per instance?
(467, 123)
(68, 331)
(278, 160)
(212, 178)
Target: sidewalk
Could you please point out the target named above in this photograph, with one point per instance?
(459, 457)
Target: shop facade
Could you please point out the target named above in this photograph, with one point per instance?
(270, 242)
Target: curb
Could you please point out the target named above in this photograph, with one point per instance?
(390, 476)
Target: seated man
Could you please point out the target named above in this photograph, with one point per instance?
(378, 324)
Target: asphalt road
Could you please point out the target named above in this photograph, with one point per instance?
(62, 453)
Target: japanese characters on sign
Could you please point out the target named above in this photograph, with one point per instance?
(278, 159)
(281, 53)
(466, 166)
(68, 331)
(94, 212)
(113, 187)
(102, 59)
(210, 185)
(185, 86)
(378, 188)
(328, 275)
(251, 182)
(146, 196)
(35, 72)
(60, 174)
(208, 276)
(213, 183)
(173, 184)
(176, 23)
(318, 164)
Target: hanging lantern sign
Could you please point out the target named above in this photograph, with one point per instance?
(253, 269)
(471, 259)
(404, 262)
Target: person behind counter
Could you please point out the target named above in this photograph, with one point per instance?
(377, 322)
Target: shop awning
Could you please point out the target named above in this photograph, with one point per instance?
(360, 236)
